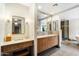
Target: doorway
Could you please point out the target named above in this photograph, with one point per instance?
(65, 29)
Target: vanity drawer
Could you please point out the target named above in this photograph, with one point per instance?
(15, 47)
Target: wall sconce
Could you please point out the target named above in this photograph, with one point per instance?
(8, 21)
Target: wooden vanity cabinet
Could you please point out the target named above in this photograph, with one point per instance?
(46, 43)
(18, 48)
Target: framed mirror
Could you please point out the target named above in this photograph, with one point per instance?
(18, 25)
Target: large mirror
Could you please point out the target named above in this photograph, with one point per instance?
(44, 23)
(18, 25)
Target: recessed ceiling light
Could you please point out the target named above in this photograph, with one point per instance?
(39, 7)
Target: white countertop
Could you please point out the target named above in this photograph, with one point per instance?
(14, 42)
(43, 36)
(25, 40)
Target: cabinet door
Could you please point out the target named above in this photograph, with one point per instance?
(41, 45)
(46, 43)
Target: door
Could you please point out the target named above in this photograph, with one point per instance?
(65, 29)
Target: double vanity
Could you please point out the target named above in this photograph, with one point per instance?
(26, 46)
(20, 28)
(15, 43)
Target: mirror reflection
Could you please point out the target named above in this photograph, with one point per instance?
(17, 25)
(46, 24)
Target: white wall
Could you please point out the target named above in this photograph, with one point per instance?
(73, 17)
(2, 26)
(9, 10)
(15, 10)
(18, 10)
(32, 29)
(2, 22)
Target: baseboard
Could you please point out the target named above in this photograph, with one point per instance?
(71, 39)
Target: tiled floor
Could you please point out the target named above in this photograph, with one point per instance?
(68, 48)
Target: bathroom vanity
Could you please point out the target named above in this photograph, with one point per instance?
(45, 42)
(14, 42)
(17, 48)
(47, 33)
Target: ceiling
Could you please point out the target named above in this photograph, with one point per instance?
(50, 9)
(42, 15)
